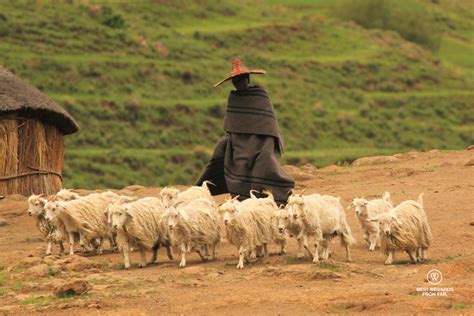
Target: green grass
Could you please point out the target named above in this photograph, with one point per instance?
(3, 278)
(16, 286)
(38, 300)
(142, 90)
(329, 266)
(461, 306)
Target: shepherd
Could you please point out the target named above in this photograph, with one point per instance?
(247, 157)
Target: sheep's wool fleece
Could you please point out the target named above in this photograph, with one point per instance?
(247, 158)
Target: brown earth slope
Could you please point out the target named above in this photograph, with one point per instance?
(277, 285)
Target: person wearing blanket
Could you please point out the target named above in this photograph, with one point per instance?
(247, 157)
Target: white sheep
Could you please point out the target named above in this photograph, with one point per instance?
(54, 232)
(194, 226)
(286, 222)
(172, 196)
(138, 224)
(322, 217)
(249, 226)
(405, 228)
(50, 232)
(365, 209)
(84, 216)
(266, 208)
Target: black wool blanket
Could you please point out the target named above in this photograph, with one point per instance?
(247, 158)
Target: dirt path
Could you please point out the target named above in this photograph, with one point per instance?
(280, 284)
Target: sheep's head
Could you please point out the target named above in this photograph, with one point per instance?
(387, 222)
(283, 219)
(294, 205)
(168, 195)
(175, 215)
(36, 205)
(118, 216)
(52, 210)
(360, 206)
(228, 210)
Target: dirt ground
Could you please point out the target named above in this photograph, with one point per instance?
(280, 285)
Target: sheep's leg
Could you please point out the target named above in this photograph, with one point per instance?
(71, 243)
(306, 246)
(142, 258)
(154, 252)
(300, 253)
(206, 250)
(316, 253)
(99, 246)
(184, 249)
(423, 254)
(169, 252)
(203, 258)
(242, 252)
(265, 251)
(325, 249)
(373, 242)
(214, 251)
(282, 247)
(389, 257)
(126, 256)
(348, 253)
(412, 256)
(113, 244)
(61, 247)
(48, 249)
(418, 254)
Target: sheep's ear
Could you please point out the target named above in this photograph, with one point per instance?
(235, 198)
(128, 214)
(396, 219)
(373, 220)
(302, 191)
(350, 205)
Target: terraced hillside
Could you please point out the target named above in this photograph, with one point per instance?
(139, 79)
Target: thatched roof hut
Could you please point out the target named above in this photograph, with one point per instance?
(32, 129)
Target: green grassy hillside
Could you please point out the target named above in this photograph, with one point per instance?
(139, 78)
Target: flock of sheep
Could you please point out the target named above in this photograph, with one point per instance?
(192, 221)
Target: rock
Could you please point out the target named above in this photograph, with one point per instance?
(40, 270)
(472, 223)
(297, 173)
(434, 151)
(470, 147)
(323, 275)
(329, 168)
(366, 161)
(75, 287)
(469, 163)
(309, 168)
(77, 263)
(51, 259)
(399, 155)
(3, 222)
(29, 262)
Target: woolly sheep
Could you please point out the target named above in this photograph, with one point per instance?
(322, 217)
(54, 232)
(194, 226)
(84, 216)
(365, 209)
(138, 224)
(173, 197)
(405, 228)
(50, 232)
(248, 226)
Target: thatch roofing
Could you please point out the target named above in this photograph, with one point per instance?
(19, 96)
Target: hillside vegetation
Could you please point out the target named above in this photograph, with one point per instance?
(138, 77)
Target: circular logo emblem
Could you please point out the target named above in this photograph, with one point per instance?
(434, 277)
